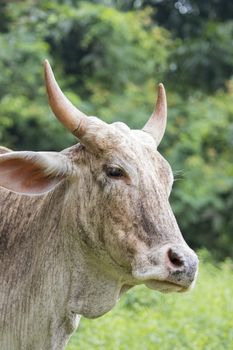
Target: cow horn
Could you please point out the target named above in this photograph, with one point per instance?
(156, 125)
(73, 119)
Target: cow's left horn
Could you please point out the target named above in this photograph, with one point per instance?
(73, 119)
(156, 125)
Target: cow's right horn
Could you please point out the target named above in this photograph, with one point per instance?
(156, 125)
(73, 119)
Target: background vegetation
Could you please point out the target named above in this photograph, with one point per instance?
(108, 56)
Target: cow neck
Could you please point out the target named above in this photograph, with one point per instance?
(33, 274)
(95, 285)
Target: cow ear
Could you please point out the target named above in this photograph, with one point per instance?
(33, 173)
(4, 150)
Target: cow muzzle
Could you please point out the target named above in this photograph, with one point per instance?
(167, 269)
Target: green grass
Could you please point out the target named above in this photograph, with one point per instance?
(148, 320)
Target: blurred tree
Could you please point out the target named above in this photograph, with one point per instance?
(199, 145)
(4, 17)
(205, 62)
(184, 18)
(202, 58)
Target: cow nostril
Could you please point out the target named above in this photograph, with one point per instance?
(174, 258)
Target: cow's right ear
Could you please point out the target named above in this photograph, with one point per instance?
(33, 173)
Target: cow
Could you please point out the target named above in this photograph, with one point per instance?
(80, 227)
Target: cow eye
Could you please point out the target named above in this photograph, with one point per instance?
(114, 172)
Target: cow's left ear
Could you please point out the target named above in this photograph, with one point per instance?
(33, 173)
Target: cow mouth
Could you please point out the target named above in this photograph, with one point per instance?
(165, 286)
(159, 286)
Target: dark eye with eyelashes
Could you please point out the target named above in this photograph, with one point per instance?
(114, 172)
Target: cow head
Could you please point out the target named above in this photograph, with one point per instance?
(122, 184)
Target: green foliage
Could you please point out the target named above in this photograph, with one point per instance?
(107, 57)
(144, 319)
(204, 62)
(199, 142)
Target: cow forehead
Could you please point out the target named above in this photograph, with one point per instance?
(135, 136)
(135, 150)
(138, 147)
